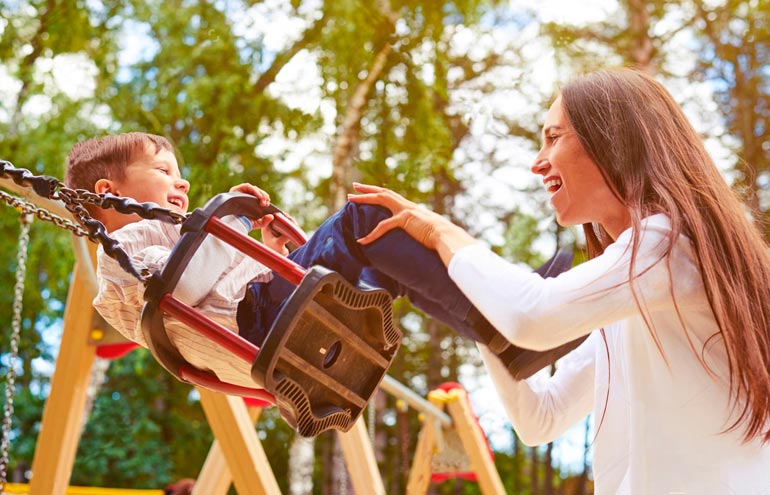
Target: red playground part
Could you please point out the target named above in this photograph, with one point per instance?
(439, 477)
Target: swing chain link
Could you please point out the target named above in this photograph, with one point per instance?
(43, 214)
(74, 201)
(10, 378)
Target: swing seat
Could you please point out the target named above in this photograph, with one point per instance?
(327, 352)
(322, 360)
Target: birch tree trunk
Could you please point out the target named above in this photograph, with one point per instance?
(346, 144)
(301, 458)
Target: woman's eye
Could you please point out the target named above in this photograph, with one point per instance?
(553, 137)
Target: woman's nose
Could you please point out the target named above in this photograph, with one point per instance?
(540, 166)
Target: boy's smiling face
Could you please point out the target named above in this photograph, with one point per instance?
(155, 178)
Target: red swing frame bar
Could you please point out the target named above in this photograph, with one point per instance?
(218, 334)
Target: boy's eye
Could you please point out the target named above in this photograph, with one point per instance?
(163, 170)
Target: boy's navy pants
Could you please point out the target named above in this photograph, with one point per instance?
(395, 262)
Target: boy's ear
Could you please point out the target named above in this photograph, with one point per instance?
(105, 186)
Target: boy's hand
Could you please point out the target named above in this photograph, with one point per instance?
(275, 242)
(246, 188)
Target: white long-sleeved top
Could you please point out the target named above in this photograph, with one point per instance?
(214, 282)
(663, 428)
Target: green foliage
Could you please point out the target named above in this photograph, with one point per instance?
(736, 38)
(146, 429)
(207, 86)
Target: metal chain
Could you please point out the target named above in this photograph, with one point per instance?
(10, 381)
(43, 214)
(75, 200)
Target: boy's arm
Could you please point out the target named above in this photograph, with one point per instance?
(275, 242)
(210, 262)
(149, 243)
(121, 296)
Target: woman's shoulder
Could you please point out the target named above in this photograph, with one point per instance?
(655, 242)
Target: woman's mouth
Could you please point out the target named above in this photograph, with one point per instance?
(552, 184)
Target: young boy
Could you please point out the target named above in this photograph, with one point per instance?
(143, 167)
(221, 282)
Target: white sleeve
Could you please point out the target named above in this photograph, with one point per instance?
(208, 264)
(121, 296)
(541, 314)
(543, 408)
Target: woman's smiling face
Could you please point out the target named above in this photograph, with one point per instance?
(579, 193)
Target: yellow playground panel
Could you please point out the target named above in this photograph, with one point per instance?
(23, 489)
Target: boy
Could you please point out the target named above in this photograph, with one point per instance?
(221, 282)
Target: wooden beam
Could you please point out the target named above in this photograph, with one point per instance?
(475, 444)
(237, 437)
(420, 471)
(63, 412)
(215, 477)
(360, 460)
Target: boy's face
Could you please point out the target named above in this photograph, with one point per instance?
(154, 178)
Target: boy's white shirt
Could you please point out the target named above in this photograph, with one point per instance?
(663, 428)
(214, 282)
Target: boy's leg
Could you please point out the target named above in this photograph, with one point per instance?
(396, 262)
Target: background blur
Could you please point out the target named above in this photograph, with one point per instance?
(441, 100)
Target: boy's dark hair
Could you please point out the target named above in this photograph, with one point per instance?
(107, 157)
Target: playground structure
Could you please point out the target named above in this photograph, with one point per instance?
(236, 456)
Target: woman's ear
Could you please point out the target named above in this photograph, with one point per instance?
(105, 186)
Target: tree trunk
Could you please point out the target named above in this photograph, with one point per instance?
(301, 455)
(534, 468)
(642, 49)
(586, 445)
(310, 35)
(346, 144)
(548, 482)
(435, 360)
(518, 462)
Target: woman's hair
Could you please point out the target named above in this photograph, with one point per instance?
(655, 162)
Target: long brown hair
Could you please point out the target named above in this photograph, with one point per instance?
(654, 160)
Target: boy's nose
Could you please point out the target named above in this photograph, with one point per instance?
(183, 185)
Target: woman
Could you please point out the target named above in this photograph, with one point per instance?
(675, 297)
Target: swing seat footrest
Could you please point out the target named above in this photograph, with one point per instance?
(327, 352)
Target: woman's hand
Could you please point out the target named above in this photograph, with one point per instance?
(428, 228)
